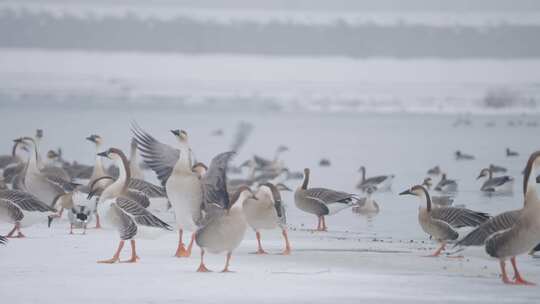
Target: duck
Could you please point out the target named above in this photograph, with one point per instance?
(224, 225)
(321, 201)
(367, 206)
(266, 211)
(524, 234)
(79, 216)
(22, 210)
(510, 153)
(127, 216)
(183, 186)
(495, 184)
(446, 185)
(381, 182)
(462, 156)
(442, 223)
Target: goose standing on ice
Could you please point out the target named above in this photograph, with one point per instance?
(224, 225)
(524, 235)
(381, 182)
(321, 201)
(367, 206)
(495, 184)
(446, 185)
(126, 215)
(183, 186)
(22, 210)
(441, 223)
(266, 211)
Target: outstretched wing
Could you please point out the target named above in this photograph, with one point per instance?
(125, 224)
(328, 196)
(214, 182)
(147, 188)
(141, 215)
(459, 217)
(500, 222)
(25, 201)
(160, 157)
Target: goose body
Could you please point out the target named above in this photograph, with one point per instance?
(380, 183)
(321, 201)
(495, 184)
(367, 206)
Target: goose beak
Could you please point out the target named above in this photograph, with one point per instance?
(50, 219)
(176, 132)
(103, 154)
(91, 138)
(406, 192)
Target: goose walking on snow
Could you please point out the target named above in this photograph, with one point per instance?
(495, 184)
(381, 182)
(321, 201)
(266, 211)
(123, 213)
(524, 234)
(183, 186)
(223, 227)
(22, 210)
(441, 223)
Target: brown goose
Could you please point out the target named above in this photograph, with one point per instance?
(441, 223)
(321, 201)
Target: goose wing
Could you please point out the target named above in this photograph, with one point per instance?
(492, 183)
(214, 182)
(328, 196)
(125, 223)
(3, 240)
(500, 222)
(11, 210)
(459, 217)
(25, 201)
(140, 215)
(61, 183)
(160, 157)
(375, 180)
(138, 197)
(147, 188)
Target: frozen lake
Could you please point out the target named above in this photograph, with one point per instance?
(376, 262)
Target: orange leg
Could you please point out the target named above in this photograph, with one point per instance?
(260, 250)
(190, 246)
(202, 267)
(98, 223)
(287, 249)
(134, 256)
(181, 251)
(226, 269)
(438, 251)
(505, 278)
(319, 224)
(324, 228)
(517, 277)
(116, 256)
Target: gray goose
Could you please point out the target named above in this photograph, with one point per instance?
(446, 185)
(223, 226)
(524, 234)
(441, 223)
(321, 201)
(123, 213)
(266, 211)
(22, 210)
(380, 182)
(495, 184)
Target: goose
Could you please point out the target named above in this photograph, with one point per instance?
(434, 171)
(524, 234)
(321, 201)
(183, 186)
(266, 211)
(381, 182)
(462, 156)
(22, 210)
(437, 200)
(48, 169)
(50, 189)
(133, 164)
(13, 158)
(126, 215)
(324, 162)
(367, 206)
(495, 184)
(96, 179)
(3, 240)
(446, 185)
(224, 225)
(497, 169)
(442, 223)
(510, 153)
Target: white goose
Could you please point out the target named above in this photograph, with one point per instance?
(126, 215)
(266, 211)
(183, 186)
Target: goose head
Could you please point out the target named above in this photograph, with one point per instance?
(51, 155)
(238, 198)
(112, 153)
(181, 135)
(39, 134)
(199, 169)
(420, 192)
(483, 173)
(96, 139)
(428, 182)
(531, 168)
